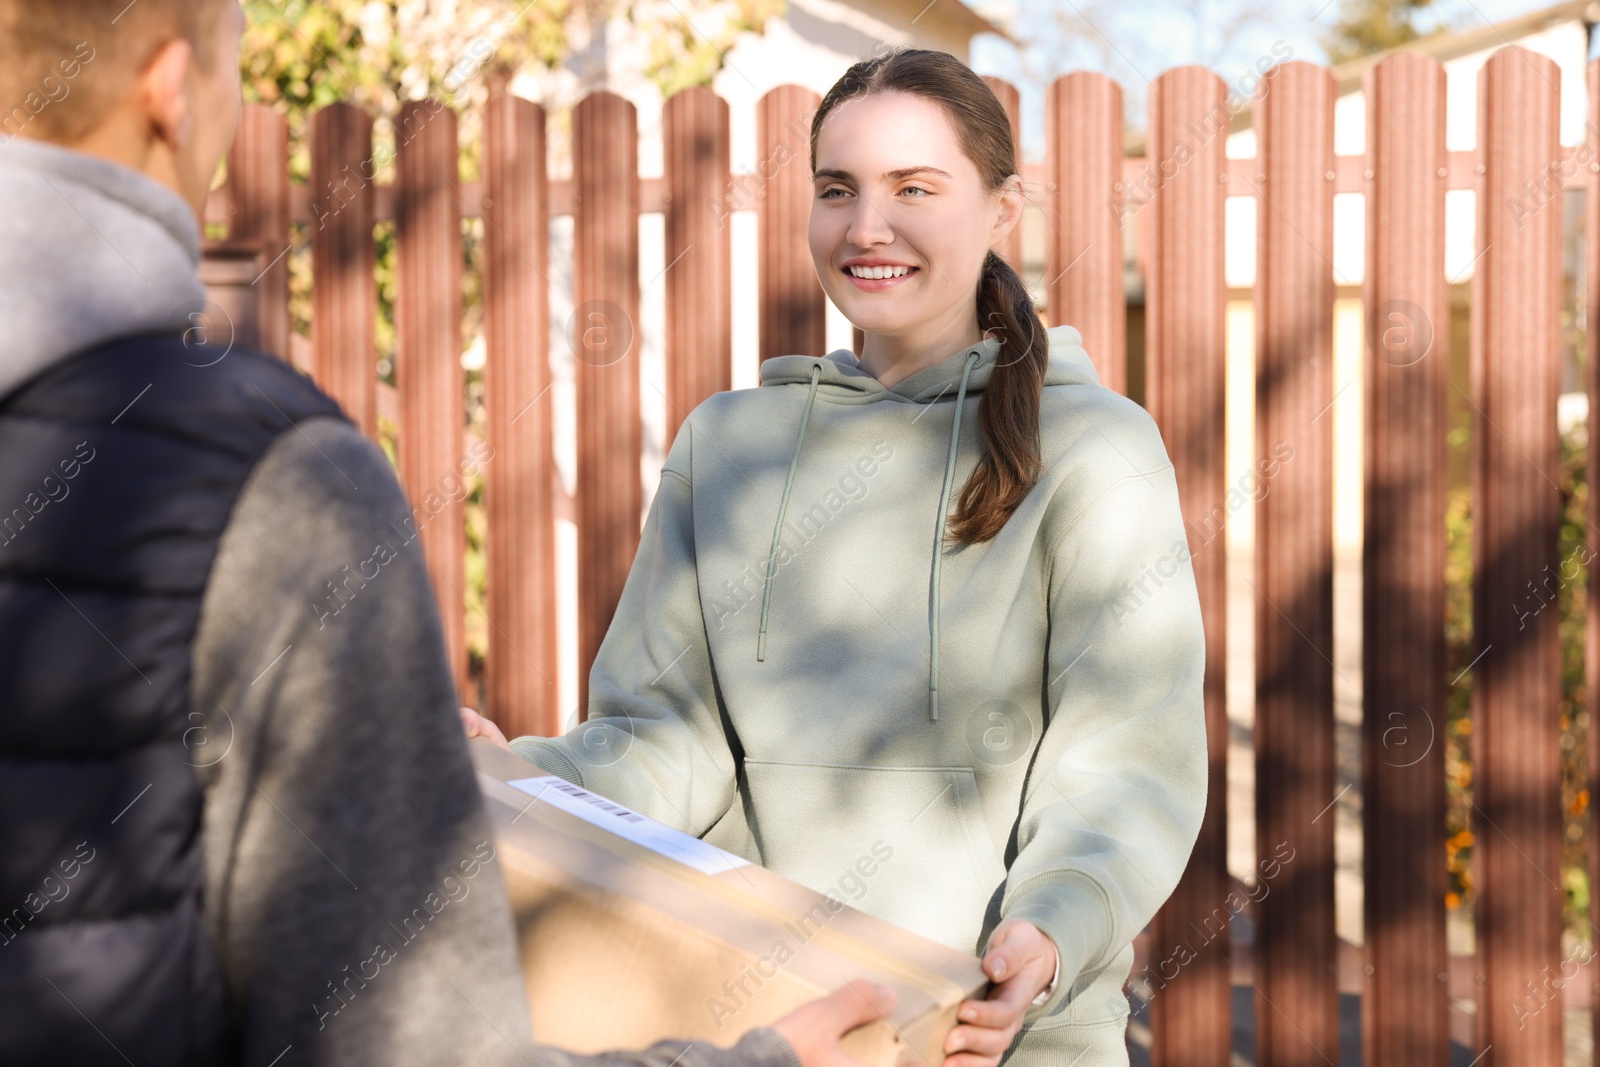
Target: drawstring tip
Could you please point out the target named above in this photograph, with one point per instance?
(761, 647)
(933, 705)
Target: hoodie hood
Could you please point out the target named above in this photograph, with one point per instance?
(90, 251)
(839, 378)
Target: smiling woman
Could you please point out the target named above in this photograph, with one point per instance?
(902, 247)
(860, 703)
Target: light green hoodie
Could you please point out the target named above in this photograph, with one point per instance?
(1019, 724)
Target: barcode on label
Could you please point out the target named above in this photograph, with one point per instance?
(600, 802)
(615, 819)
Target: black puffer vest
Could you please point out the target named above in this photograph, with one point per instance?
(119, 470)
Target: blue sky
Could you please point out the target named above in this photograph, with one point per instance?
(1136, 40)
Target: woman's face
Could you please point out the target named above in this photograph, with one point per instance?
(892, 186)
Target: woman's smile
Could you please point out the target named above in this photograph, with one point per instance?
(878, 285)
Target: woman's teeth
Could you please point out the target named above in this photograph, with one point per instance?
(879, 272)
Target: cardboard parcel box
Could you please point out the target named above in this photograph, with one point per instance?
(632, 932)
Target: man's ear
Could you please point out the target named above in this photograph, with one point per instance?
(162, 93)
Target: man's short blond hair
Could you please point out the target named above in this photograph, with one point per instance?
(65, 63)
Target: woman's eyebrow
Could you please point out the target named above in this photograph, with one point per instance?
(892, 175)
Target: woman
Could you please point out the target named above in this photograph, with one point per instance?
(814, 659)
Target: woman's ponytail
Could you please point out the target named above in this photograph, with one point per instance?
(1008, 415)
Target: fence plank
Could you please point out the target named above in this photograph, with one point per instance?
(1516, 510)
(1011, 100)
(428, 355)
(1297, 1022)
(793, 316)
(1083, 242)
(519, 469)
(1186, 307)
(344, 300)
(699, 327)
(1405, 1008)
(603, 331)
(258, 177)
(1591, 627)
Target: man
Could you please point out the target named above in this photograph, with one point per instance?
(238, 827)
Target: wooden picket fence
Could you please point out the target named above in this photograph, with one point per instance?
(1404, 174)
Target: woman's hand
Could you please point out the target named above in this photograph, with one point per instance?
(1021, 961)
(477, 726)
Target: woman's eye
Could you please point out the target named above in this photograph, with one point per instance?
(826, 194)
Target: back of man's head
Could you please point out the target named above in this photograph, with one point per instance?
(65, 64)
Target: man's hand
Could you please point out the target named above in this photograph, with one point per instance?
(477, 726)
(1020, 961)
(814, 1029)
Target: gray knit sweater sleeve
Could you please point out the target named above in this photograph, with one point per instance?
(758, 1048)
(351, 885)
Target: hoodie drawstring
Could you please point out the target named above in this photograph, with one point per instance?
(938, 543)
(777, 529)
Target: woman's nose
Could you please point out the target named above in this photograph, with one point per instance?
(868, 226)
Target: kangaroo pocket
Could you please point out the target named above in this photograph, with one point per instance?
(907, 844)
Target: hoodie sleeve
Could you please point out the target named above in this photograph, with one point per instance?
(1115, 801)
(654, 739)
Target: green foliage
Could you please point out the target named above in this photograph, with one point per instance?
(1572, 599)
(1458, 709)
(1368, 26)
(1568, 585)
(682, 57)
(300, 55)
(305, 54)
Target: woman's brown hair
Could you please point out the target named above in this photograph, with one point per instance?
(1008, 414)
